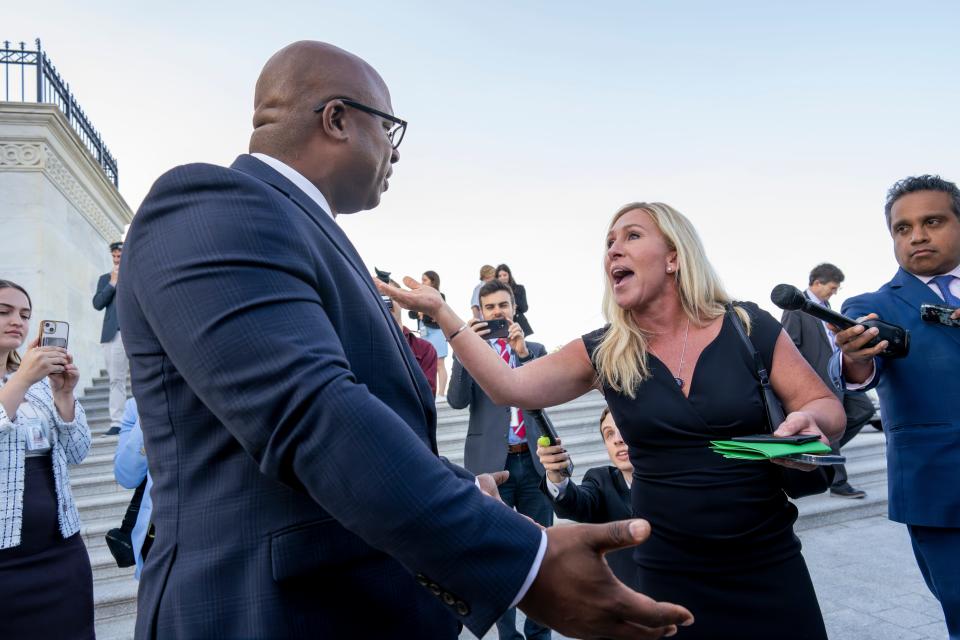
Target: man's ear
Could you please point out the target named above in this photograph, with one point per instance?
(333, 121)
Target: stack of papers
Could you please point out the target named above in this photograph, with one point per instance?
(764, 450)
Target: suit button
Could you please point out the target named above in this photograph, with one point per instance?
(434, 588)
(448, 599)
(422, 579)
(462, 608)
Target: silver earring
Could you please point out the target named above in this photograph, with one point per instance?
(669, 269)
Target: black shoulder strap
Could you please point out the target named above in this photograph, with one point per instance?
(770, 401)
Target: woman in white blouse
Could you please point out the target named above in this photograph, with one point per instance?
(46, 585)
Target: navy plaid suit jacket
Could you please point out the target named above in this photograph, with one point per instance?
(290, 434)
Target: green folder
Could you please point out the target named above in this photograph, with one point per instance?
(764, 450)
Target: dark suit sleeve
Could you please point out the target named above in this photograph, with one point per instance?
(460, 388)
(104, 294)
(520, 298)
(224, 286)
(792, 325)
(582, 503)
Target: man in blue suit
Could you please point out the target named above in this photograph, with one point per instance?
(919, 394)
(290, 435)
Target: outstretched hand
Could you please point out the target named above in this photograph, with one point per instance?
(415, 297)
(576, 593)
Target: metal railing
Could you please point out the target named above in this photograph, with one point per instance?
(35, 79)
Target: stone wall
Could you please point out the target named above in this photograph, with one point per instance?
(58, 214)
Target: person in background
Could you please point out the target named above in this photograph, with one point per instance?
(919, 394)
(498, 438)
(130, 470)
(118, 368)
(815, 343)
(505, 276)
(46, 584)
(487, 273)
(604, 494)
(430, 331)
(676, 375)
(423, 351)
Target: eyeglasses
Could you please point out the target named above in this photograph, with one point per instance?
(395, 134)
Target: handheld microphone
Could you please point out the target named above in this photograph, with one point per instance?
(790, 298)
(547, 432)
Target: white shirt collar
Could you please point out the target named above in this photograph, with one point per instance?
(926, 279)
(297, 178)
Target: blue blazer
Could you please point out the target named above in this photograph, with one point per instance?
(920, 405)
(290, 434)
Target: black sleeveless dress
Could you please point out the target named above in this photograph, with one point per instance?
(722, 541)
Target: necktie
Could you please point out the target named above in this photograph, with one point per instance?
(520, 429)
(943, 283)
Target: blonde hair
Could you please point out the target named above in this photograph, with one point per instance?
(621, 357)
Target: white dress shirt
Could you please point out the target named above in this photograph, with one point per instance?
(298, 179)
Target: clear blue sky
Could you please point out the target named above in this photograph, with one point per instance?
(776, 127)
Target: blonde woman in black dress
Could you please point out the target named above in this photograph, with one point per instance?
(676, 375)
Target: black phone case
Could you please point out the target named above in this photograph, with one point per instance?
(498, 333)
(766, 437)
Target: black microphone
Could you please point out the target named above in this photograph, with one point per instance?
(547, 431)
(790, 298)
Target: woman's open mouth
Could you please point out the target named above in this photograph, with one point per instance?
(619, 274)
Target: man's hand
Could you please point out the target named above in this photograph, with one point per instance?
(554, 460)
(576, 593)
(956, 314)
(114, 276)
(857, 360)
(490, 481)
(479, 327)
(516, 341)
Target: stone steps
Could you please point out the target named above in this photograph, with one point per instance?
(102, 502)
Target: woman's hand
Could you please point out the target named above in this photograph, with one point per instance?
(799, 423)
(554, 460)
(39, 362)
(417, 298)
(63, 384)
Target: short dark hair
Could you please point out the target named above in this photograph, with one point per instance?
(493, 286)
(925, 182)
(825, 273)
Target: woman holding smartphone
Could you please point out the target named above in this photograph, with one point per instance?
(676, 375)
(46, 584)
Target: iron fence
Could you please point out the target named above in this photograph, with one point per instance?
(35, 79)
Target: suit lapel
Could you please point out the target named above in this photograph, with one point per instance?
(260, 170)
(914, 293)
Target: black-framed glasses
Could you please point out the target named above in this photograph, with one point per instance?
(395, 134)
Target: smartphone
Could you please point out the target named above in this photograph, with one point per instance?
(54, 333)
(767, 437)
(819, 460)
(936, 313)
(499, 328)
(548, 433)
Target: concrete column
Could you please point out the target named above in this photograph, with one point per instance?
(58, 214)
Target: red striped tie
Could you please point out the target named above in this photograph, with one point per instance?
(521, 429)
